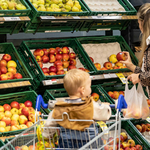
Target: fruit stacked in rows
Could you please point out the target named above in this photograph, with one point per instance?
(16, 116)
(57, 5)
(113, 63)
(143, 127)
(115, 94)
(125, 143)
(8, 69)
(61, 58)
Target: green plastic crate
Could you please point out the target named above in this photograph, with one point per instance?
(59, 93)
(2, 144)
(129, 9)
(107, 39)
(8, 48)
(32, 65)
(20, 97)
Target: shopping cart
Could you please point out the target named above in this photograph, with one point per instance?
(95, 137)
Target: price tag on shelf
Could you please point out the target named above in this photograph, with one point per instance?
(106, 76)
(76, 17)
(47, 17)
(11, 18)
(113, 75)
(103, 126)
(148, 119)
(122, 78)
(94, 17)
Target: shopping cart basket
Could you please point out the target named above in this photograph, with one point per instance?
(60, 138)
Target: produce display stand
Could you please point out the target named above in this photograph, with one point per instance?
(12, 21)
(14, 85)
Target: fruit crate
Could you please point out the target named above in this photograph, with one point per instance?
(20, 97)
(21, 141)
(35, 14)
(2, 144)
(14, 85)
(105, 10)
(54, 94)
(118, 44)
(138, 134)
(35, 70)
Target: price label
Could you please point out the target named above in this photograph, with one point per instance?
(122, 78)
(76, 17)
(11, 18)
(47, 17)
(107, 76)
(94, 17)
(113, 75)
(103, 126)
(148, 119)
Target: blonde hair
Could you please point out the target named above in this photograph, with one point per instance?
(74, 79)
(144, 16)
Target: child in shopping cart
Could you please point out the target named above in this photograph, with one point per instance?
(79, 106)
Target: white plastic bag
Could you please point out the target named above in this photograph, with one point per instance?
(136, 101)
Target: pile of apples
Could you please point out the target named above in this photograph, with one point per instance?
(143, 127)
(114, 62)
(16, 116)
(8, 69)
(115, 94)
(24, 147)
(61, 58)
(125, 143)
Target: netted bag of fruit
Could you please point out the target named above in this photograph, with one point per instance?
(136, 101)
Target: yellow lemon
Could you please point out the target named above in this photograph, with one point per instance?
(11, 63)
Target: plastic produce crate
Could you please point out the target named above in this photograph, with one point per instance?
(141, 137)
(20, 97)
(8, 48)
(53, 94)
(2, 144)
(34, 68)
(101, 55)
(129, 9)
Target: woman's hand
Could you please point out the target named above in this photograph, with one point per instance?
(134, 78)
(128, 62)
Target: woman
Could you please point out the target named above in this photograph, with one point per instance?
(142, 73)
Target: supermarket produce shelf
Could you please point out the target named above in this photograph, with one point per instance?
(21, 18)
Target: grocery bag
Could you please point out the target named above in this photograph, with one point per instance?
(137, 103)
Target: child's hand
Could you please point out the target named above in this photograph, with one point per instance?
(105, 103)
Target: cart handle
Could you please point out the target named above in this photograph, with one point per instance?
(39, 102)
(121, 103)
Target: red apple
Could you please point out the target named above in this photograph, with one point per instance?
(108, 65)
(28, 103)
(45, 70)
(58, 63)
(52, 51)
(12, 69)
(52, 69)
(22, 105)
(15, 104)
(59, 57)
(59, 68)
(71, 67)
(82, 69)
(29, 124)
(3, 70)
(120, 56)
(45, 59)
(60, 72)
(46, 74)
(111, 94)
(65, 57)
(3, 63)
(7, 120)
(92, 59)
(31, 110)
(25, 111)
(52, 73)
(6, 57)
(38, 58)
(3, 77)
(95, 96)
(72, 55)
(14, 122)
(139, 147)
(46, 51)
(38, 52)
(17, 76)
(52, 58)
(65, 50)
(97, 65)
(40, 64)
(133, 148)
(7, 107)
(17, 148)
(116, 94)
(103, 68)
(9, 75)
(31, 117)
(58, 50)
(72, 62)
(148, 101)
(65, 64)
